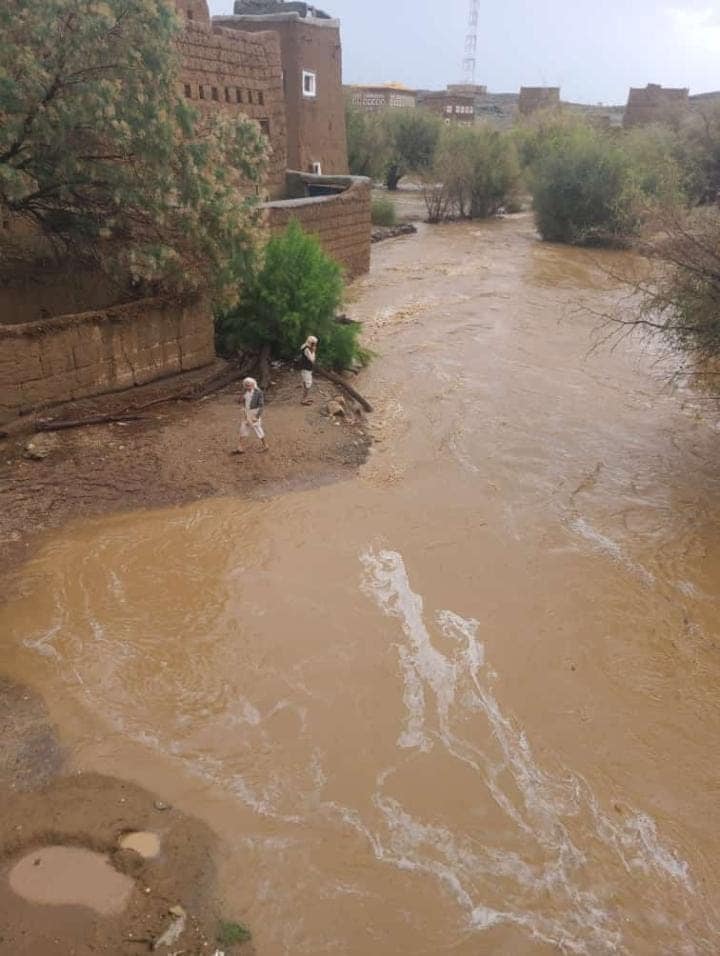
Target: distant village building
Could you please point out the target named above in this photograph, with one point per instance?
(655, 104)
(535, 98)
(467, 89)
(456, 108)
(385, 96)
(311, 73)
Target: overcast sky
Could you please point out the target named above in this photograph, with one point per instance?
(593, 49)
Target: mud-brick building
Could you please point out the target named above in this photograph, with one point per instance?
(533, 99)
(655, 104)
(455, 108)
(385, 96)
(237, 72)
(311, 73)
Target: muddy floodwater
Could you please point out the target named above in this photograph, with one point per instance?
(467, 702)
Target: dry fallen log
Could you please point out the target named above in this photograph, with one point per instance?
(48, 425)
(338, 380)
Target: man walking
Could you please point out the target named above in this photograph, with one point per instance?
(254, 401)
(308, 355)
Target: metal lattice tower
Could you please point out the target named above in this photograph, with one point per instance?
(470, 58)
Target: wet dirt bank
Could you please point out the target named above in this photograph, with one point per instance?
(465, 701)
(179, 453)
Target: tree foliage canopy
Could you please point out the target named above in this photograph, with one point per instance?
(99, 153)
(292, 290)
(583, 186)
(392, 143)
(475, 173)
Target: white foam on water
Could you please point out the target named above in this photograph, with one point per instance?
(550, 817)
(534, 874)
(604, 545)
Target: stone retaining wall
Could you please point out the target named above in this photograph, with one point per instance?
(72, 356)
(340, 220)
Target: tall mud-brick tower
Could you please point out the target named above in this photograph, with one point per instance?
(239, 73)
(312, 79)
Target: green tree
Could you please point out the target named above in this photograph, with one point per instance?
(98, 153)
(367, 142)
(292, 290)
(660, 163)
(584, 188)
(478, 169)
(412, 137)
(700, 139)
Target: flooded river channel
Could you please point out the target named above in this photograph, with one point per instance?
(467, 702)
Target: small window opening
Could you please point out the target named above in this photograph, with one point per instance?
(188, 91)
(238, 95)
(201, 92)
(261, 98)
(316, 169)
(309, 83)
(215, 93)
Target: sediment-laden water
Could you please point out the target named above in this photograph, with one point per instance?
(466, 702)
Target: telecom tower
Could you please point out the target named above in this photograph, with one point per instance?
(470, 57)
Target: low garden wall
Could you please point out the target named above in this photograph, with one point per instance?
(59, 359)
(336, 209)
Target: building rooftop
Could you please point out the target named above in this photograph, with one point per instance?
(263, 8)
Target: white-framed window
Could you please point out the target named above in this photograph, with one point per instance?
(309, 83)
(317, 169)
(448, 109)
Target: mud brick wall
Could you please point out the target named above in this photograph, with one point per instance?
(655, 104)
(534, 98)
(240, 73)
(72, 356)
(341, 222)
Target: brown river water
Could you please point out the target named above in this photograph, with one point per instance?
(466, 702)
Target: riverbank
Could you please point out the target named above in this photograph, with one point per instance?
(179, 452)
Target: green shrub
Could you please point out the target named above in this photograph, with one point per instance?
(294, 289)
(232, 934)
(584, 188)
(367, 142)
(479, 173)
(383, 212)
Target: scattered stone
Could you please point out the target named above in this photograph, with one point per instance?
(39, 447)
(159, 805)
(334, 408)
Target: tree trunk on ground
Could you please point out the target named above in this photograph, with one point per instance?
(337, 380)
(61, 425)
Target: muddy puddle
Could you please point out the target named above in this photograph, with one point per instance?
(465, 702)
